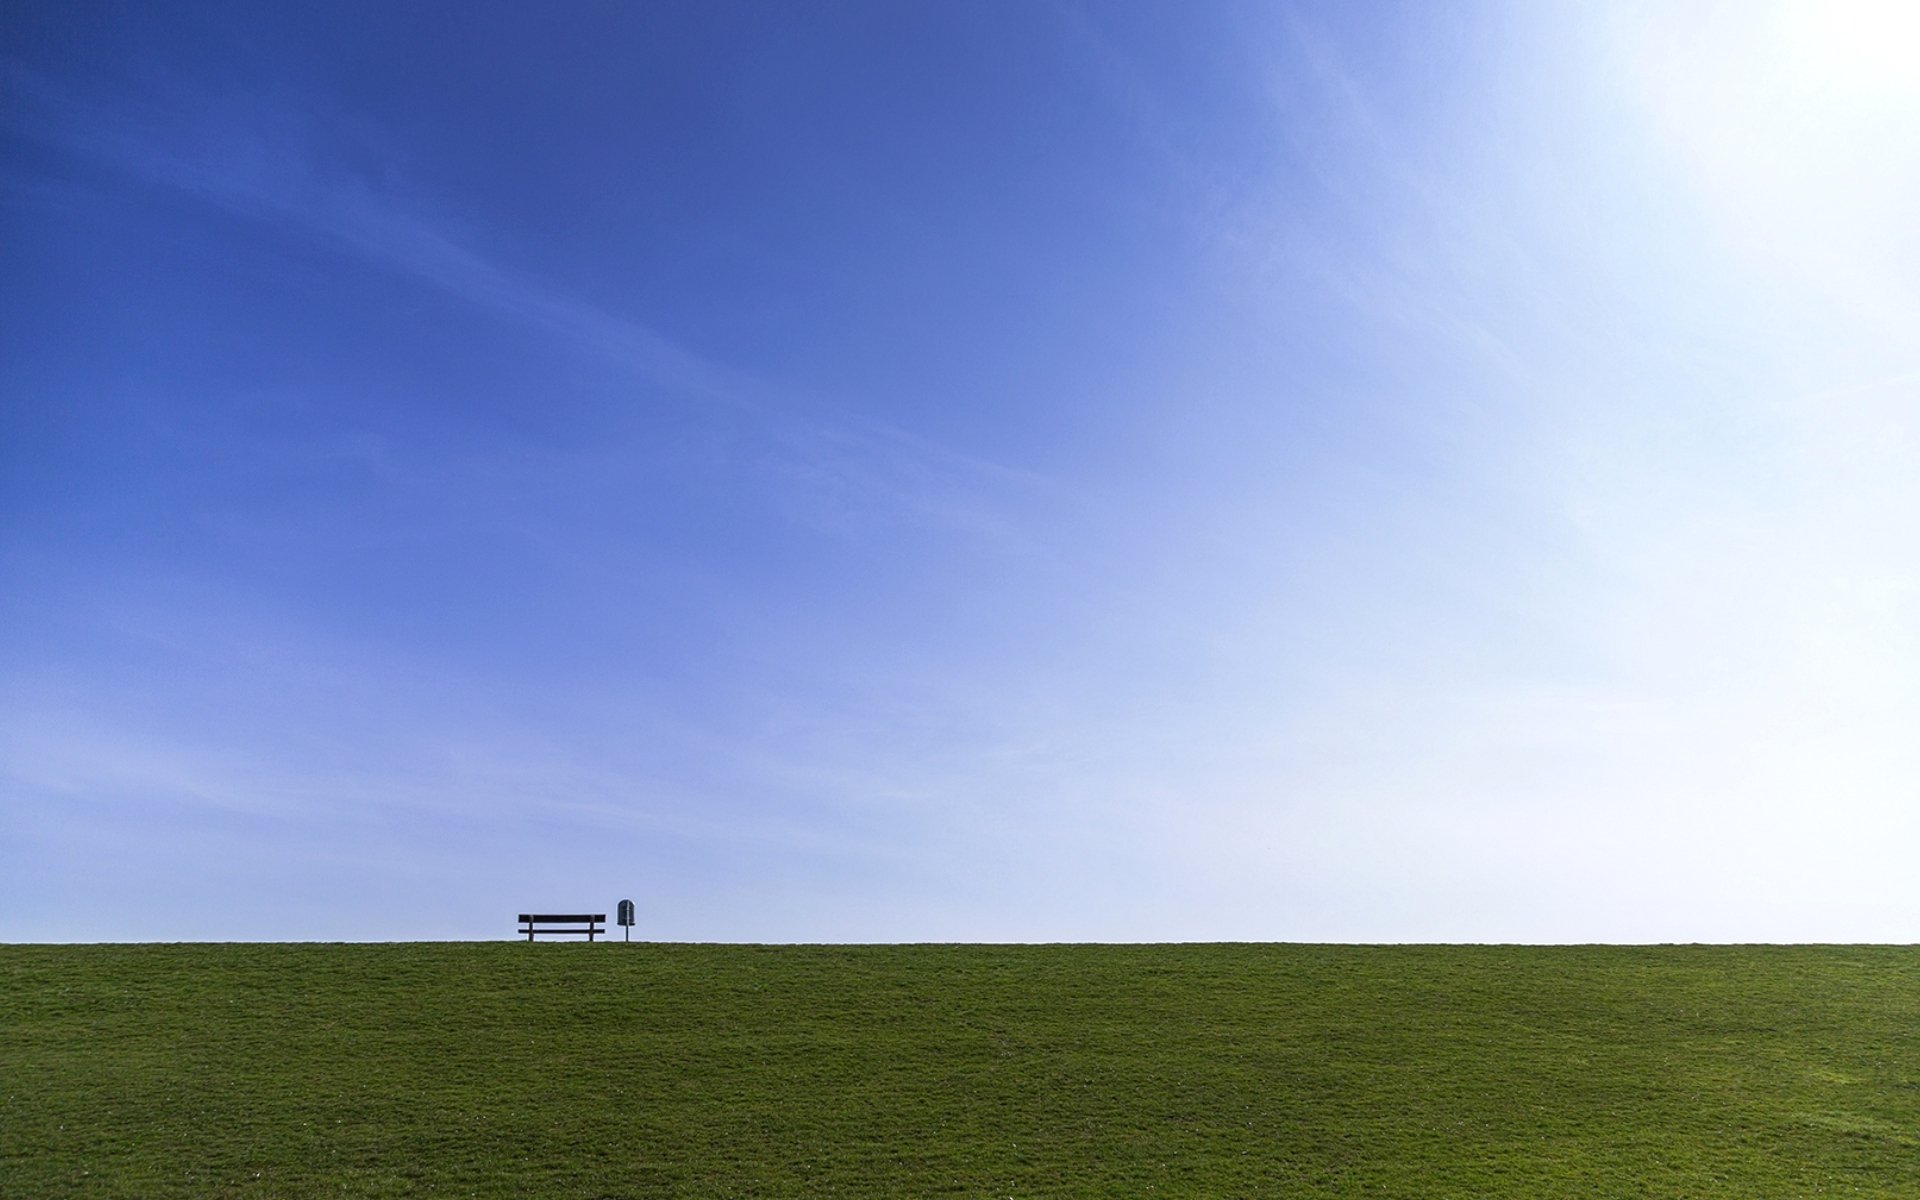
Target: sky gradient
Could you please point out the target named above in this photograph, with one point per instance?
(960, 471)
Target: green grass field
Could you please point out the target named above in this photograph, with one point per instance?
(1193, 1070)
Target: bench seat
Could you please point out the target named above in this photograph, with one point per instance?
(591, 924)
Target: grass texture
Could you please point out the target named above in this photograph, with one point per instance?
(612, 1070)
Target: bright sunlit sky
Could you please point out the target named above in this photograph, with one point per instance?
(961, 471)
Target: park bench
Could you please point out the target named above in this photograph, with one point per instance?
(590, 924)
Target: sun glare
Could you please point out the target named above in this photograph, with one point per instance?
(1797, 128)
(1862, 46)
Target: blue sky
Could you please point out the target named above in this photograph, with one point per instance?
(973, 471)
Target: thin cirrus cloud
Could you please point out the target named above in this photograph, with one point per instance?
(253, 166)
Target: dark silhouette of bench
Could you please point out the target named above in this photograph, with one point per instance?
(591, 924)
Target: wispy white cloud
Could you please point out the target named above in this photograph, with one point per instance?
(844, 471)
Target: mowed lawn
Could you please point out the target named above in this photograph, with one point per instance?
(617, 1070)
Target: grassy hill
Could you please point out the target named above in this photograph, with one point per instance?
(1193, 1070)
